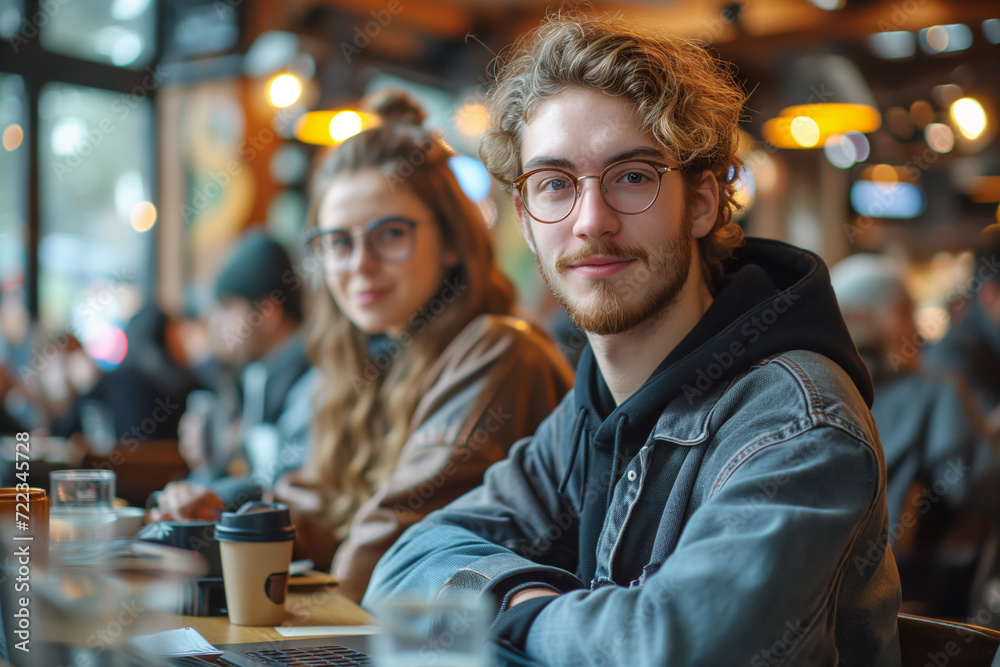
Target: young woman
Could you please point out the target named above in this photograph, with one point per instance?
(426, 378)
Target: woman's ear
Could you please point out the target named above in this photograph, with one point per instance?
(705, 206)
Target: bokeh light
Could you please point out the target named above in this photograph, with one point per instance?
(345, 124)
(805, 131)
(284, 90)
(13, 135)
(939, 137)
(970, 117)
(143, 216)
(472, 119)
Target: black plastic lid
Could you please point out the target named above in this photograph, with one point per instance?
(256, 522)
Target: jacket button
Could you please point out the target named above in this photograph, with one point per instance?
(632, 475)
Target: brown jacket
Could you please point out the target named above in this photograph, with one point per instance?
(492, 386)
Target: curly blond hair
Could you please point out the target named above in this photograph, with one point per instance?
(684, 99)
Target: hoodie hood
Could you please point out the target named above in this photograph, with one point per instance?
(773, 298)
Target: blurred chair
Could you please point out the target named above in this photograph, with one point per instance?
(930, 641)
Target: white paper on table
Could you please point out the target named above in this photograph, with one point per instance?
(326, 630)
(176, 643)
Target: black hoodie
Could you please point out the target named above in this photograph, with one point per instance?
(773, 298)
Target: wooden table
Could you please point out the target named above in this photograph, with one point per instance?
(323, 606)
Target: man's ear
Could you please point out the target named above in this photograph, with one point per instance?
(705, 206)
(525, 220)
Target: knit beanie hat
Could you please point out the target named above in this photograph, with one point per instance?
(259, 267)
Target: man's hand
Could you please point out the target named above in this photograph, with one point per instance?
(530, 594)
(184, 501)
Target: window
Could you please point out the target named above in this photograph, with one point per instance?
(96, 179)
(13, 184)
(114, 32)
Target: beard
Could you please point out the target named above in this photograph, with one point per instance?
(620, 304)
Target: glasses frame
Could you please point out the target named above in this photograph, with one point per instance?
(364, 232)
(661, 169)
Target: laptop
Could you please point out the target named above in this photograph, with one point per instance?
(353, 651)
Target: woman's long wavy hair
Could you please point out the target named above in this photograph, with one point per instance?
(363, 415)
(684, 99)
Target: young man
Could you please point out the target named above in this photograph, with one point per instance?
(256, 325)
(712, 492)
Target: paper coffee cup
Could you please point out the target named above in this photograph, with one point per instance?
(256, 546)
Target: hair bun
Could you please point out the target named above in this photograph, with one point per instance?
(396, 106)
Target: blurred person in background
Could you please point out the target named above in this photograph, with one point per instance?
(235, 441)
(142, 398)
(939, 458)
(425, 377)
(971, 348)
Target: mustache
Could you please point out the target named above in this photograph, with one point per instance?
(606, 248)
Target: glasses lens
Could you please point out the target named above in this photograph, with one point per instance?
(333, 249)
(392, 240)
(631, 187)
(548, 195)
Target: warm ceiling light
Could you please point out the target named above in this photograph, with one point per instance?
(143, 216)
(284, 90)
(970, 117)
(328, 128)
(345, 125)
(804, 131)
(882, 173)
(13, 135)
(788, 131)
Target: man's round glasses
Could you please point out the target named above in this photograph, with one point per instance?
(389, 240)
(629, 187)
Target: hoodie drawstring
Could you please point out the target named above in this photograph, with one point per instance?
(615, 463)
(581, 419)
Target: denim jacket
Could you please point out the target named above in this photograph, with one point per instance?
(754, 503)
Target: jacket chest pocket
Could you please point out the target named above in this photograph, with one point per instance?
(646, 513)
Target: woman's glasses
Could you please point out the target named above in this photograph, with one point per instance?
(389, 240)
(629, 187)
